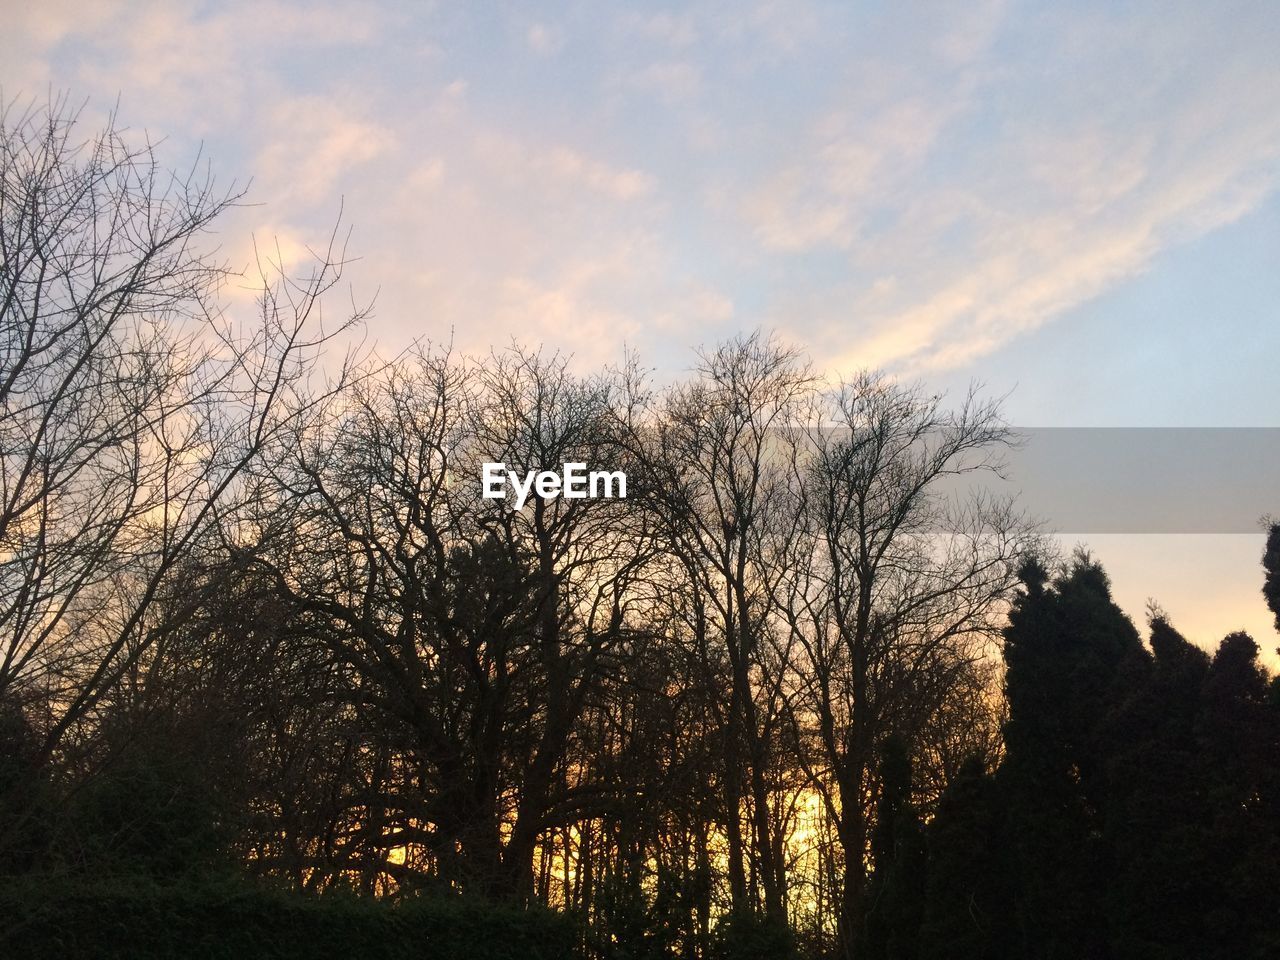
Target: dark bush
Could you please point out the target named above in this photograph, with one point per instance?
(749, 937)
(141, 921)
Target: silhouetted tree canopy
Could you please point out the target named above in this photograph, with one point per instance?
(1271, 563)
(1135, 811)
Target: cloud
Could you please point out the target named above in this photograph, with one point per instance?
(909, 188)
(544, 40)
(779, 27)
(670, 80)
(193, 72)
(558, 167)
(32, 32)
(674, 30)
(315, 146)
(975, 204)
(823, 198)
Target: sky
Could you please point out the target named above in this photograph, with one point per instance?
(1075, 204)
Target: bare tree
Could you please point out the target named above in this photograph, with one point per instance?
(894, 586)
(720, 460)
(131, 406)
(477, 633)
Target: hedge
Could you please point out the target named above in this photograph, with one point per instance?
(41, 920)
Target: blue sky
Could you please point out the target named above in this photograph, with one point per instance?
(1077, 200)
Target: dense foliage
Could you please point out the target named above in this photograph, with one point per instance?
(140, 921)
(1136, 812)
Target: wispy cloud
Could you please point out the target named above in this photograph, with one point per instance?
(314, 147)
(998, 197)
(903, 187)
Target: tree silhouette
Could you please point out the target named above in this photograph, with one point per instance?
(1135, 812)
(1071, 655)
(895, 892)
(1271, 564)
(969, 896)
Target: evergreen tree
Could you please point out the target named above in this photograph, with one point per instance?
(1271, 564)
(896, 890)
(1072, 657)
(1156, 809)
(1237, 730)
(968, 900)
(1136, 814)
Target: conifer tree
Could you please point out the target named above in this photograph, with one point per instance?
(896, 890)
(1271, 564)
(1072, 656)
(1155, 805)
(968, 899)
(1237, 731)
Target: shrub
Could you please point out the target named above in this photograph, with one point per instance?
(143, 921)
